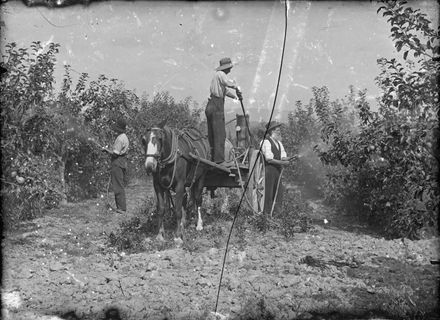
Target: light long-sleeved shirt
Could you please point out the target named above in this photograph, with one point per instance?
(267, 149)
(219, 85)
(120, 147)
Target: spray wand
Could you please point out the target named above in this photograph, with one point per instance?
(96, 143)
(93, 140)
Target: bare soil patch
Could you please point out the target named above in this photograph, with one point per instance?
(63, 262)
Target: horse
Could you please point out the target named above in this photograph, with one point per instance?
(168, 161)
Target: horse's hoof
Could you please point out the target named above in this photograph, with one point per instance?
(178, 241)
(199, 227)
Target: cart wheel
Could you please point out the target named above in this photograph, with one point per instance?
(256, 187)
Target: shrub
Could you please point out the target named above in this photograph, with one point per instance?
(291, 217)
(299, 137)
(131, 234)
(387, 167)
(294, 215)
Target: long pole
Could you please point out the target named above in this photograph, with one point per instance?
(247, 183)
(276, 192)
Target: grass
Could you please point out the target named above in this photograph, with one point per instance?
(138, 233)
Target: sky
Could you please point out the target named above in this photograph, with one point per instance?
(175, 46)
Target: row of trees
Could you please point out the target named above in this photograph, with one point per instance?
(52, 139)
(380, 164)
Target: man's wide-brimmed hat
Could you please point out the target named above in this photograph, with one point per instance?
(225, 63)
(272, 126)
(120, 125)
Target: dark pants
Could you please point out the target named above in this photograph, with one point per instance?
(271, 181)
(118, 174)
(215, 116)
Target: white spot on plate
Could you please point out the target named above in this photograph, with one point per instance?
(12, 300)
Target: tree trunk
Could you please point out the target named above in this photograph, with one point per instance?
(61, 174)
(61, 170)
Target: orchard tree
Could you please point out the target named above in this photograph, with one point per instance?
(410, 106)
(99, 103)
(299, 135)
(44, 132)
(410, 85)
(26, 95)
(389, 166)
(162, 106)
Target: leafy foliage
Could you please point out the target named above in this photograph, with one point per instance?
(162, 106)
(28, 180)
(387, 168)
(102, 102)
(299, 136)
(52, 140)
(294, 215)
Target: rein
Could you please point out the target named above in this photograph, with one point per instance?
(174, 151)
(171, 158)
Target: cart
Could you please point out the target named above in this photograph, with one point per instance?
(243, 157)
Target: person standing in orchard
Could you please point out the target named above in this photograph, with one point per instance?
(119, 164)
(220, 88)
(275, 158)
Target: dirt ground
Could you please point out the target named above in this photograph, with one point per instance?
(63, 262)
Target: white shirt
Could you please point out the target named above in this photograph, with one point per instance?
(267, 149)
(121, 144)
(219, 85)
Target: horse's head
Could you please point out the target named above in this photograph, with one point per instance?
(153, 142)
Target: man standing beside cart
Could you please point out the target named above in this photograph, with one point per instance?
(220, 87)
(275, 158)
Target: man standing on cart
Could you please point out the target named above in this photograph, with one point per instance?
(220, 87)
(275, 158)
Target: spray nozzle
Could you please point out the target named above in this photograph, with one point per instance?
(94, 142)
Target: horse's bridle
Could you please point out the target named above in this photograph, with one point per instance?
(157, 155)
(173, 153)
(172, 157)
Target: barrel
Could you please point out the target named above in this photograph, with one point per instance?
(241, 129)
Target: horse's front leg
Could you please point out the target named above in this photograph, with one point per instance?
(180, 215)
(197, 194)
(160, 195)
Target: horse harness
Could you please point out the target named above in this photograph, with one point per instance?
(175, 152)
